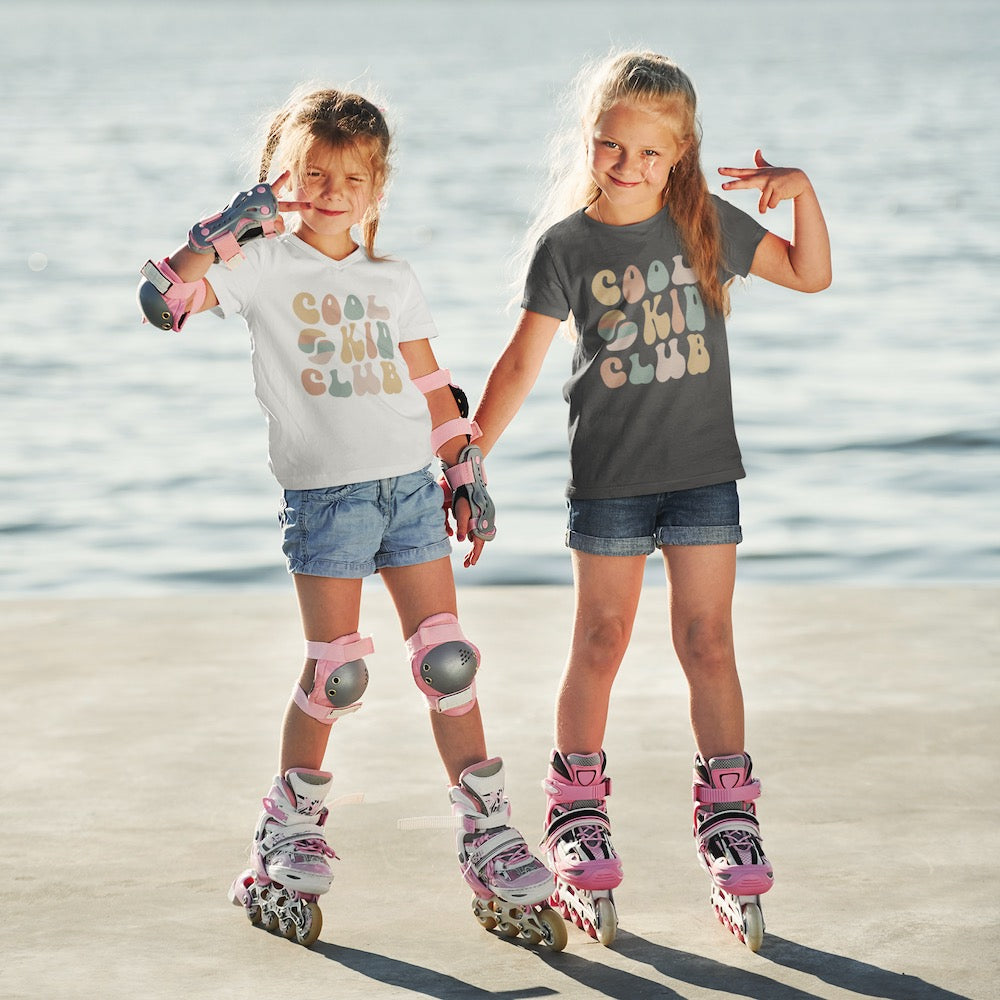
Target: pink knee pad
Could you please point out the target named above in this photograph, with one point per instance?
(444, 664)
(340, 678)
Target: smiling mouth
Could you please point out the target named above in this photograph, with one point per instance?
(624, 184)
(330, 213)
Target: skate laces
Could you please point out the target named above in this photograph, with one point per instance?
(586, 840)
(515, 858)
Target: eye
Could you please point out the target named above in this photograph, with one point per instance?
(650, 152)
(609, 144)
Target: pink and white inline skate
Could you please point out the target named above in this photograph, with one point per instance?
(289, 858)
(509, 882)
(578, 845)
(727, 837)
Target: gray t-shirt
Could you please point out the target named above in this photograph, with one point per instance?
(650, 402)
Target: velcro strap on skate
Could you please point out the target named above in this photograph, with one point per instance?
(568, 791)
(251, 215)
(478, 823)
(502, 838)
(467, 479)
(340, 652)
(741, 793)
(731, 821)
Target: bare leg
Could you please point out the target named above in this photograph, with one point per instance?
(329, 608)
(607, 596)
(702, 578)
(419, 592)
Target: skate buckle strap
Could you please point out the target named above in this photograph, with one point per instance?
(561, 790)
(741, 793)
(729, 822)
(478, 823)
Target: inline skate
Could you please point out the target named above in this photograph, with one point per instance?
(577, 843)
(289, 867)
(511, 885)
(728, 841)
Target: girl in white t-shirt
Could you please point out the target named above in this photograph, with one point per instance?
(355, 405)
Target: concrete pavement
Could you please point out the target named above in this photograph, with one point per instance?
(137, 736)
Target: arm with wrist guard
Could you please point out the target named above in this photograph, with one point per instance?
(165, 298)
(466, 478)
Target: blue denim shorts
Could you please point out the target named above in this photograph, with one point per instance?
(351, 531)
(635, 526)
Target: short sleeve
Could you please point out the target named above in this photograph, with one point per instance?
(235, 288)
(544, 292)
(415, 320)
(741, 234)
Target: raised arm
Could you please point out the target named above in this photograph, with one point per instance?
(175, 288)
(513, 375)
(803, 263)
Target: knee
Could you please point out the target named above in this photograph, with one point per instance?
(601, 642)
(705, 647)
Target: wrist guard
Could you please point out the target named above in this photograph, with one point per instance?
(467, 479)
(251, 215)
(451, 428)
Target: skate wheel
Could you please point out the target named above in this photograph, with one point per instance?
(253, 914)
(507, 930)
(269, 921)
(556, 935)
(607, 922)
(308, 932)
(753, 926)
(484, 914)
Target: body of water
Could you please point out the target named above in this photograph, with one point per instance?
(134, 461)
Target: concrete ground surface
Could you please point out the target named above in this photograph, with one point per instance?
(138, 735)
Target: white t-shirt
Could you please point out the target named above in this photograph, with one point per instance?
(324, 337)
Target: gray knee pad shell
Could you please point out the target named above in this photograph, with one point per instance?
(444, 664)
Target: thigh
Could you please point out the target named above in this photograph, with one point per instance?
(702, 579)
(607, 590)
(330, 606)
(420, 591)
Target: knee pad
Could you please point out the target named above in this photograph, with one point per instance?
(340, 678)
(444, 664)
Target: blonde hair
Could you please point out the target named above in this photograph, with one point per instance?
(335, 119)
(657, 83)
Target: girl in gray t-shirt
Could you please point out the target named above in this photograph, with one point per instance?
(641, 259)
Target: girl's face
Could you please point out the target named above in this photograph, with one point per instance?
(340, 187)
(632, 148)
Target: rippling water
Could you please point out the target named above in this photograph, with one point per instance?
(135, 462)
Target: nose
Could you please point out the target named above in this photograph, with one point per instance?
(629, 163)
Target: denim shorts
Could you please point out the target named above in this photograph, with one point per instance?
(635, 526)
(351, 531)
